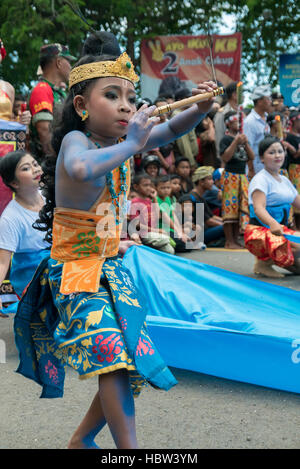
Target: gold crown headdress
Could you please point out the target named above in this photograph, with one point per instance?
(122, 67)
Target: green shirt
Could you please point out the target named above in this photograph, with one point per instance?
(165, 206)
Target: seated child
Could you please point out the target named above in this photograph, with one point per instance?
(151, 165)
(183, 170)
(192, 230)
(144, 216)
(175, 187)
(213, 225)
(213, 196)
(167, 217)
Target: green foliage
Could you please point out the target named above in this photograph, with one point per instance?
(25, 25)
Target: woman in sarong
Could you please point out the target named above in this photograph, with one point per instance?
(270, 198)
(82, 308)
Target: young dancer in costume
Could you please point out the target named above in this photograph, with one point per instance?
(270, 198)
(95, 322)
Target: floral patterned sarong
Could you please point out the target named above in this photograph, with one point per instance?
(94, 333)
(294, 176)
(235, 199)
(264, 245)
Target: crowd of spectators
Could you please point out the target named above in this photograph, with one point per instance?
(188, 194)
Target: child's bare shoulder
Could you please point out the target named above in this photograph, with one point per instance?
(74, 134)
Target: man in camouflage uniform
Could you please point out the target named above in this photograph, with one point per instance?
(47, 96)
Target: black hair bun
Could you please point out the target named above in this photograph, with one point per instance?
(100, 43)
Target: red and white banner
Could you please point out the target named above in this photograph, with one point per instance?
(188, 58)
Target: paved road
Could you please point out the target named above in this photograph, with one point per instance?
(201, 412)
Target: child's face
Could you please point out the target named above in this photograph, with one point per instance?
(164, 189)
(207, 183)
(144, 187)
(183, 169)
(152, 170)
(233, 125)
(132, 194)
(110, 105)
(175, 186)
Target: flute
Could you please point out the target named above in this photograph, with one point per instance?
(187, 101)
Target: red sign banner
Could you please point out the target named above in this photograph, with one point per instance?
(188, 58)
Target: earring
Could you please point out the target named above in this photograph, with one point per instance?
(85, 115)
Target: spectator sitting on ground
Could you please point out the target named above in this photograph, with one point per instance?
(192, 230)
(175, 187)
(151, 165)
(213, 196)
(144, 216)
(183, 170)
(213, 224)
(167, 217)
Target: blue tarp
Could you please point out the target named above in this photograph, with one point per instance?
(206, 319)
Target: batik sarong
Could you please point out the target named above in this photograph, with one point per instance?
(294, 177)
(235, 199)
(82, 309)
(264, 245)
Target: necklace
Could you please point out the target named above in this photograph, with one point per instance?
(111, 187)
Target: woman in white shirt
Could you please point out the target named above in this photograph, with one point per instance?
(21, 172)
(270, 198)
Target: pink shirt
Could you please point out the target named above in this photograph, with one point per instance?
(145, 210)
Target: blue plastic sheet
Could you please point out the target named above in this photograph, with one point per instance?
(293, 238)
(206, 319)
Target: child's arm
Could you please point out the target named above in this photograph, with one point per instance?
(259, 205)
(231, 149)
(183, 122)
(249, 151)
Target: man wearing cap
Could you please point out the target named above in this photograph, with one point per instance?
(48, 96)
(255, 124)
(213, 224)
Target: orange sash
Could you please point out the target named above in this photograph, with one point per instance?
(83, 240)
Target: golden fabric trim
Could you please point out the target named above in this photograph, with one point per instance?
(121, 68)
(108, 369)
(79, 337)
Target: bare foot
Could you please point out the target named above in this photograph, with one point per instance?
(233, 245)
(2, 315)
(77, 443)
